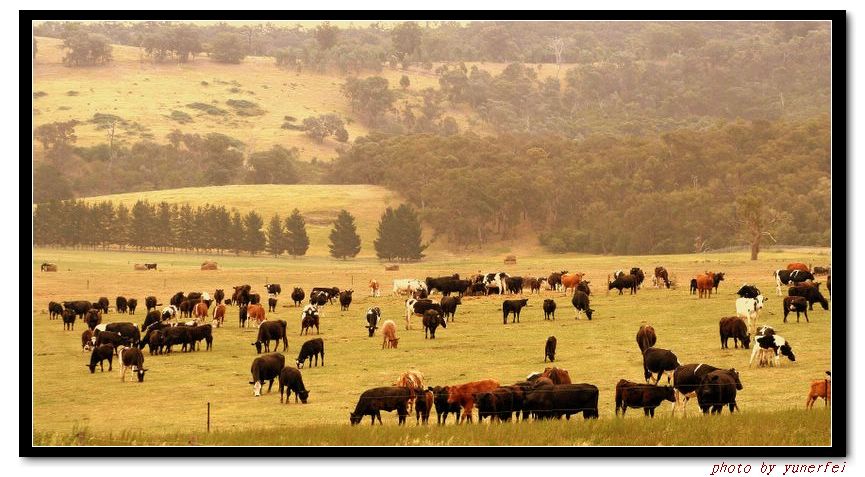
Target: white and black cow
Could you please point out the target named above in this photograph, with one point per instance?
(784, 277)
(273, 288)
(419, 307)
(373, 317)
(775, 344)
(748, 291)
(749, 309)
(496, 280)
(169, 312)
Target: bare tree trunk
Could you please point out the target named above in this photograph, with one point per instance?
(755, 247)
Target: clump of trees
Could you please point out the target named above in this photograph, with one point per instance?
(86, 49)
(344, 240)
(322, 126)
(228, 48)
(399, 235)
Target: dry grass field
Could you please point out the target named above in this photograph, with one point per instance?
(72, 406)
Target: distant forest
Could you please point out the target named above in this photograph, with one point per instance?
(650, 138)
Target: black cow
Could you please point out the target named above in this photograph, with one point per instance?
(127, 330)
(201, 332)
(266, 368)
(638, 275)
(273, 288)
(550, 349)
(748, 291)
(242, 315)
(718, 389)
(309, 319)
(271, 304)
(555, 279)
(661, 274)
(622, 282)
(271, 330)
(154, 337)
(719, 277)
(375, 400)
(447, 285)
(736, 328)
(687, 378)
(645, 396)
(150, 303)
(657, 360)
(583, 286)
(290, 380)
(694, 286)
(55, 310)
(219, 295)
(80, 307)
(646, 337)
(423, 406)
(131, 304)
(111, 338)
(556, 400)
(345, 299)
(94, 317)
(313, 347)
(177, 299)
(581, 303)
(449, 306)
(99, 355)
(102, 304)
(150, 266)
(549, 309)
(151, 318)
(330, 293)
(443, 408)
(513, 306)
(432, 319)
(514, 285)
(373, 316)
(132, 358)
(254, 298)
(477, 289)
(795, 303)
(120, 303)
(495, 404)
(810, 292)
(68, 319)
(175, 335)
(297, 296)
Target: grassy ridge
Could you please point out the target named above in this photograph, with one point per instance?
(790, 427)
(173, 399)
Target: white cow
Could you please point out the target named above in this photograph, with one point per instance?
(749, 308)
(407, 286)
(496, 280)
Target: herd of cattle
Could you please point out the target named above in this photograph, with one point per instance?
(550, 394)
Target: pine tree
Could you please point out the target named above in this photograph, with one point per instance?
(235, 232)
(253, 237)
(344, 240)
(275, 236)
(141, 224)
(409, 245)
(120, 226)
(296, 238)
(386, 245)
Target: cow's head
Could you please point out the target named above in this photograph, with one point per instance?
(303, 396)
(257, 345)
(735, 375)
(371, 329)
(759, 301)
(92, 367)
(299, 363)
(787, 351)
(669, 393)
(256, 388)
(140, 373)
(394, 342)
(354, 418)
(746, 341)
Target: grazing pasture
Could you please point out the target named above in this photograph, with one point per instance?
(170, 406)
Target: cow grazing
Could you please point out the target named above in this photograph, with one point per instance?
(795, 303)
(388, 331)
(686, 380)
(419, 307)
(309, 318)
(443, 408)
(548, 401)
(705, 283)
(811, 292)
(749, 309)
(639, 395)
(556, 375)
(255, 313)
(273, 288)
(748, 291)
(133, 359)
(265, 368)
(373, 316)
(291, 380)
(80, 307)
(646, 337)
(820, 388)
(68, 320)
(581, 303)
(297, 296)
(661, 361)
(661, 275)
(716, 280)
(549, 309)
(345, 299)
(150, 303)
(99, 355)
(449, 306)
(775, 344)
(550, 349)
(464, 395)
(513, 306)
(790, 277)
(622, 282)
(310, 349)
(432, 319)
(120, 304)
(373, 401)
(736, 328)
(423, 406)
(374, 288)
(718, 389)
(152, 317)
(86, 339)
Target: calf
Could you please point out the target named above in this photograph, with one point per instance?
(534, 284)
(265, 368)
(661, 361)
(432, 319)
(464, 395)
(645, 396)
(419, 307)
(449, 306)
(795, 303)
(373, 316)
(646, 337)
(550, 349)
(68, 319)
(581, 303)
(820, 388)
(693, 286)
(734, 327)
(309, 318)
(290, 380)
(200, 311)
(150, 303)
(749, 309)
(131, 304)
(256, 314)
(549, 309)
(622, 282)
(375, 400)
(86, 340)
(345, 299)
(423, 406)
(271, 305)
(443, 408)
(131, 358)
(513, 306)
(99, 355)
(243, 315)
(310, 349)
(776, 344)
(388, 331)
(121, 304)
(718, 389)
(374, 288)
(219, 315)
(271, 331)
(811, 292)
(661, 274)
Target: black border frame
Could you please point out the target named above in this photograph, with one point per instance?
(840, 124)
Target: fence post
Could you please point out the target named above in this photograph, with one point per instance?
(88, 283)
(208, 416)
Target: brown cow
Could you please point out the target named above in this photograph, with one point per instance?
(388, 330)
(464, 395)
(820, 388)
(255, 312)
(557, 375)
(705, 283)
(200, 311)
(219, 314)
(798, 266)
(646, 337)
(374, 288)
(571, 280)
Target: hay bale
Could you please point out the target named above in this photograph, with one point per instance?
(391, 268)
(209, 265)
(49, 267)
(511, 260)
(139, 266)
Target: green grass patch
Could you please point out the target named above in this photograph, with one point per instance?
(207, 108)
(245, 108)
(180, 116)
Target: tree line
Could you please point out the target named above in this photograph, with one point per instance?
(213, 229)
